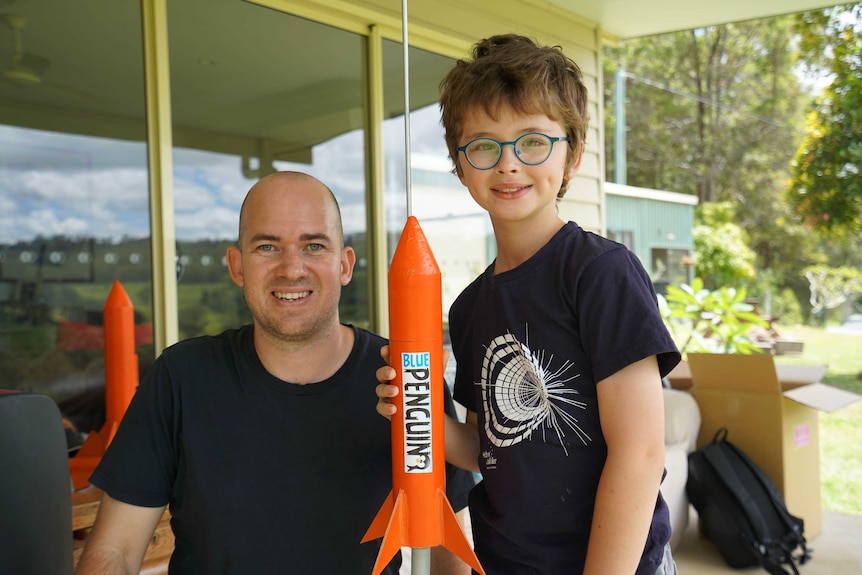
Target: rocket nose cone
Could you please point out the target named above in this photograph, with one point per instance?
(413, 254)
(118, 297)
(412, 233)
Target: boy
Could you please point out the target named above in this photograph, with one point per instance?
(559, 345)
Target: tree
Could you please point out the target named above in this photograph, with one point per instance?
(826, 173)
(713, 111)
(720, 112)
(831, 287)
(723, 256)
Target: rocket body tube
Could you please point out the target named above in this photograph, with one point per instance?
(417, 513)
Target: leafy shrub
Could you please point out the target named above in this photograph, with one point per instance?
(706, 320)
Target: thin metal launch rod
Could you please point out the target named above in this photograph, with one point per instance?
(406, 46)
(420, 562)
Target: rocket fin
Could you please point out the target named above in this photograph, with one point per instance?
(378, 527)
(395, 536)
(453, 536)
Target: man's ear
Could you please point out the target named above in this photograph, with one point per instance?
(234, 265)
(348, 260)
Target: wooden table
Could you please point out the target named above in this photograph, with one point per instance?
(85, 505)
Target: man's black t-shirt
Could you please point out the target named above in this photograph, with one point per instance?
(262, 476)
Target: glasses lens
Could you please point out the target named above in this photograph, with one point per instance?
(482, 153)
(533, 148)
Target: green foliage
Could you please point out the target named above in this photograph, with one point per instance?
(712, 111)
(723, 255)
(719, 112)
(786, 307)
(710, 320)
(826, 173)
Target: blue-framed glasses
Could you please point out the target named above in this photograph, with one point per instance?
(532, 149)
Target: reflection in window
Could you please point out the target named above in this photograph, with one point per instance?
(670, 267)
(240, 114)
(74, 209)
(457, 228)
(625, 237)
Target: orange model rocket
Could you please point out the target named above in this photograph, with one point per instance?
(417, 513)
(121, 381)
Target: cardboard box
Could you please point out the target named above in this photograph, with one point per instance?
(770, 411)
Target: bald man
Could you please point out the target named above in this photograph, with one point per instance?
(263, 440)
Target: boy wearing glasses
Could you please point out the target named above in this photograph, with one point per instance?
(559, 344)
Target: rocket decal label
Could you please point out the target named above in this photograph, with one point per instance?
(416, 397)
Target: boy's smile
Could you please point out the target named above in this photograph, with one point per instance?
(513, 191)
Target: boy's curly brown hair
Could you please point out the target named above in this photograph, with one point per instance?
(511, 70)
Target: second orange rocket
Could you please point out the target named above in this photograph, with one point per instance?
(121, 381)
(417, 513)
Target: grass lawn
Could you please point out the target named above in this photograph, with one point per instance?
(840, 431)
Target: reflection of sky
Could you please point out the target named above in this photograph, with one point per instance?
(59, 184)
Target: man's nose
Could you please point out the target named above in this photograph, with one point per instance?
(291, 264)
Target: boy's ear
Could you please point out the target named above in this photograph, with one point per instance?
(459, 171)
(575, 164)
(572, 167)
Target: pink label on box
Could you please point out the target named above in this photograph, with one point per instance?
(803, 435)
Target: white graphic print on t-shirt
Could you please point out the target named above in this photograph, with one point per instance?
(520, 392)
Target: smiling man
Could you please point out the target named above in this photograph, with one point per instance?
(263, 440)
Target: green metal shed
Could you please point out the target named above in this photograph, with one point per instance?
(657, 226)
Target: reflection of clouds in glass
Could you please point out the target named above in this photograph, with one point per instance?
(208, 192)
(232, 193)
(426, 132)
(76, 186)
(353, 217)
(47, 223)
(119, 190)
(62, 184)
(189, 196)
(426, 139)
(99, 212)
(210, 223)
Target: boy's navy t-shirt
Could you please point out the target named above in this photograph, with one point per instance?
(530, 345)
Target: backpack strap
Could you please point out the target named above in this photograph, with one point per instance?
(717, 458)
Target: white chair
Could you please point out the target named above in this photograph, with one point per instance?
(682, 424)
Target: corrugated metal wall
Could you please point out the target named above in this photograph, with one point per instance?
(654, 223)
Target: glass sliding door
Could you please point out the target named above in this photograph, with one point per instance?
(253, 91)
(458, 230)
(74, 213)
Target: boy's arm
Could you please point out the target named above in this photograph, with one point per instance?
(119, 538)
(631, 408)
(462, 442)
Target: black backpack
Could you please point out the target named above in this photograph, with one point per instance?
(741, 510)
